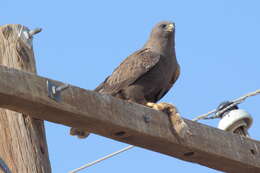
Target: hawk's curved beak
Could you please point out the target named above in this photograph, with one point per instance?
(170, 27)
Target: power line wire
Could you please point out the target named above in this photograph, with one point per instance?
(234, 103)
(101, 159)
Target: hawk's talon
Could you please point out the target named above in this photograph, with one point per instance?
(164, 107)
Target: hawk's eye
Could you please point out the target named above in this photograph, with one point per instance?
(163, 25)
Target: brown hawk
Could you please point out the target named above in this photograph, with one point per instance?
(146, 75)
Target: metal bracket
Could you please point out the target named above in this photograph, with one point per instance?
(54, 91)
(4, 167)
(26, 35)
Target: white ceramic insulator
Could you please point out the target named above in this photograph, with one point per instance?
(235, 119)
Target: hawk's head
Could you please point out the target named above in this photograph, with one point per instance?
(162, 37)
(163, 29)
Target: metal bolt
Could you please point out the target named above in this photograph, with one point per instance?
(147, 119)
(62, 87)
(54, 91)
(34, 31)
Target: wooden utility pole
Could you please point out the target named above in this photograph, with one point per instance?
(127, 122)
(23, 145)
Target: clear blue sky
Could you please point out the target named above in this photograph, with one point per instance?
(217, 44)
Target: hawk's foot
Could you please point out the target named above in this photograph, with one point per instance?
(164, 107)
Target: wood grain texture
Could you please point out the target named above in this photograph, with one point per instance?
(128, 122)
(22, 138)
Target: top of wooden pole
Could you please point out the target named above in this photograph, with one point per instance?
(23, 142)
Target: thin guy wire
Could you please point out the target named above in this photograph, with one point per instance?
(101, 159)
(234, 103)
(4, 167)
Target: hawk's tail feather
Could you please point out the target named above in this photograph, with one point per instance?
(79, 133)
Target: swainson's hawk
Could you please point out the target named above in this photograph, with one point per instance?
(146, 75)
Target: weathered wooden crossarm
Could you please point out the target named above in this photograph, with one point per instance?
(127, 122)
